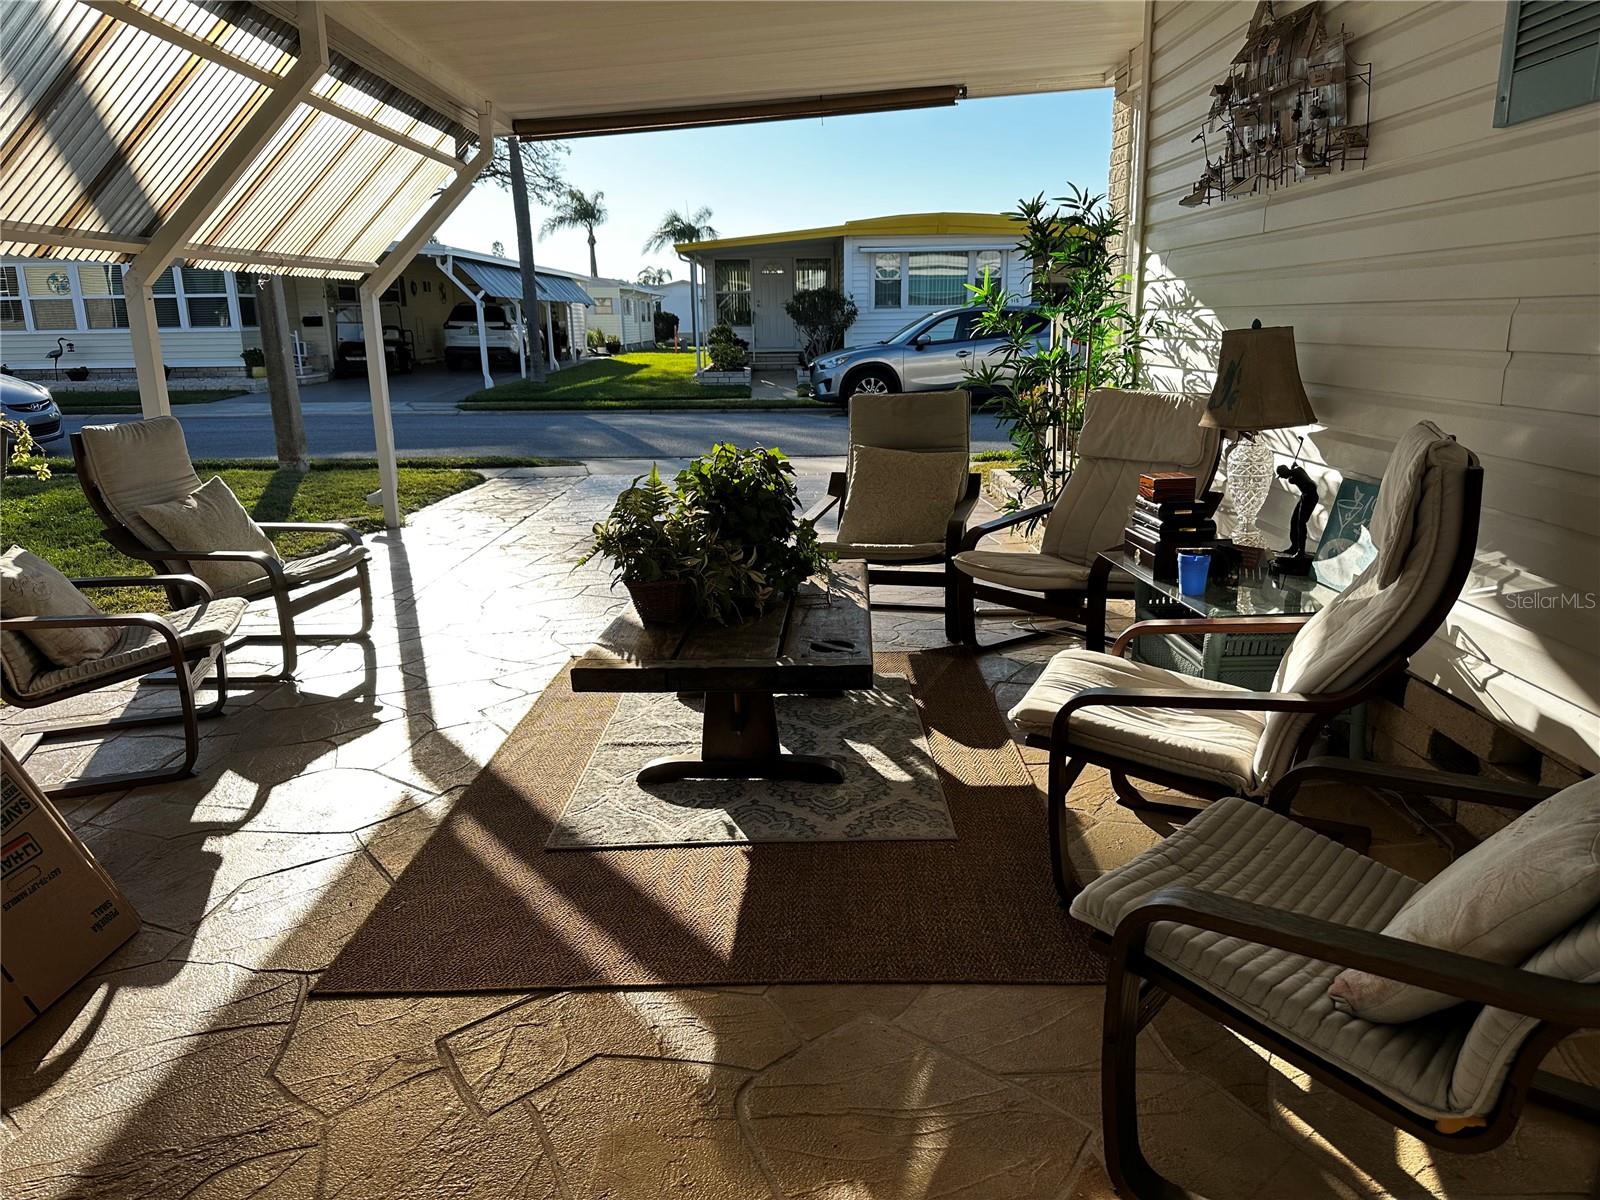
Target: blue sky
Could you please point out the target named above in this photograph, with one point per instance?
(979, 156)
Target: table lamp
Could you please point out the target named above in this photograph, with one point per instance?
(1258, 388)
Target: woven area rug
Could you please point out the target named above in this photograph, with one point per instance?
(485, 907)
(890, 791)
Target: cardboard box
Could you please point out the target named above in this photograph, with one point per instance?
(60, 914)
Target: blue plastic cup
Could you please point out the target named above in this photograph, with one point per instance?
(1193, 567)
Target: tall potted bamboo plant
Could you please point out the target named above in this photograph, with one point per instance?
(1075, 280)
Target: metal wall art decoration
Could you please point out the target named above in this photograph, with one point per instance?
(1293, 106)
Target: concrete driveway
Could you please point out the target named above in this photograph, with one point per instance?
(338, 421)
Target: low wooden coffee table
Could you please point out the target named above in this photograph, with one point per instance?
(820, 641)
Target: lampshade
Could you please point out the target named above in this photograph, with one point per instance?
(1258, 382)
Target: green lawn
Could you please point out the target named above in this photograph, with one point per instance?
(126, 400)
(52, 519)
(647, 379)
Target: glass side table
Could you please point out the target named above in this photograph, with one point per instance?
(1258, 595)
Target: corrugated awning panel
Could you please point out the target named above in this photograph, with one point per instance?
(506, 284)
(107, 127)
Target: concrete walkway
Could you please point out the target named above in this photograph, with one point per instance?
(194, 1063)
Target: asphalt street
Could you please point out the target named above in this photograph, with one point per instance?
(338, 422)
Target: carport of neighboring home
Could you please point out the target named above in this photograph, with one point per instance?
(895, 268)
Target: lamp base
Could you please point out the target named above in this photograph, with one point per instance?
(1250, 463)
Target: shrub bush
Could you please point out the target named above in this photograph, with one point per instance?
(727, 352)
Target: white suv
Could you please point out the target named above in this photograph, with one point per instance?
(461, 335)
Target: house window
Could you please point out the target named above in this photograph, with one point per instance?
(11, 318)
(810, 274)
(733, 291)
(602, 305)
(103, 304)
(205, 294)
(988, 266)
(165, 290)
(50, 296)
(938, 279)
(886, 281)
(627, 308)
(245, 284)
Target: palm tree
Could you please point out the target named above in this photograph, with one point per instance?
(675, 229)
(574, 210)
(681, 227)
(654, 276)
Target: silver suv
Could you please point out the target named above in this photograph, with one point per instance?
(930, 354)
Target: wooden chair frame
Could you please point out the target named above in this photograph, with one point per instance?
(1060, 604)
(189, 667)
(1067, 759)
(291, 597)
(1137, 986)
(907, 573)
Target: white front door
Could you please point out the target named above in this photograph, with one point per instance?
(773, 288)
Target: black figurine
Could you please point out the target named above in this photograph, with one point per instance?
(1295, 560)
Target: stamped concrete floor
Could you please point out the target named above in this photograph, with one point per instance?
(194, 1064)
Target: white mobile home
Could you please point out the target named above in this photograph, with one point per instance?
(895, 269)
(623, 310)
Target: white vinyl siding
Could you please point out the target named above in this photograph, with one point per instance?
(1455, 279)
(861, 257)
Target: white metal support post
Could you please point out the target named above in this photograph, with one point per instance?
(448, 269)
(166, 243)
(1138, 184)
(378, 282)
(522, 339)
(550, 334)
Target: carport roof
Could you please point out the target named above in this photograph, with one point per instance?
(504, 283)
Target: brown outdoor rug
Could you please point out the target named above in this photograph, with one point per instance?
(485, 907)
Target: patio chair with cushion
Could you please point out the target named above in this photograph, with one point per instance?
(138, 479)
(1124, 434)
(1211, 739)
(907, 490)
(55, 646)
(1431, 1005)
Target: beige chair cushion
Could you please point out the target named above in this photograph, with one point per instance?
(325, 564)
(138, 463)
(1023, 569)
(1240, 849)
(1125, 433)
(1209, 745)
(212, 519)
(912, 421)
(199, 627)
(1496, 1034)
(1394, 513)
(1363, 628)
(1500, 901)
(902, 497)
(31, 587)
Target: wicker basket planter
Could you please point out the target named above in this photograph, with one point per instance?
(665, 602)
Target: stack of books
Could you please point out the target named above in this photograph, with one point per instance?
(1167, 517)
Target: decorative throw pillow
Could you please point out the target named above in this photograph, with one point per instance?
(212, 519)
(1500, 902)
(31, 587)
(900, 497)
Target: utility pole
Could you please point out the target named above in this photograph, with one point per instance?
(288, 427)
(530, 288)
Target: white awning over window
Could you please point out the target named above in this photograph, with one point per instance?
(114, 112)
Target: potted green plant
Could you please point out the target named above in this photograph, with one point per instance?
(751, 549)
(649, 543)
(255, 358)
